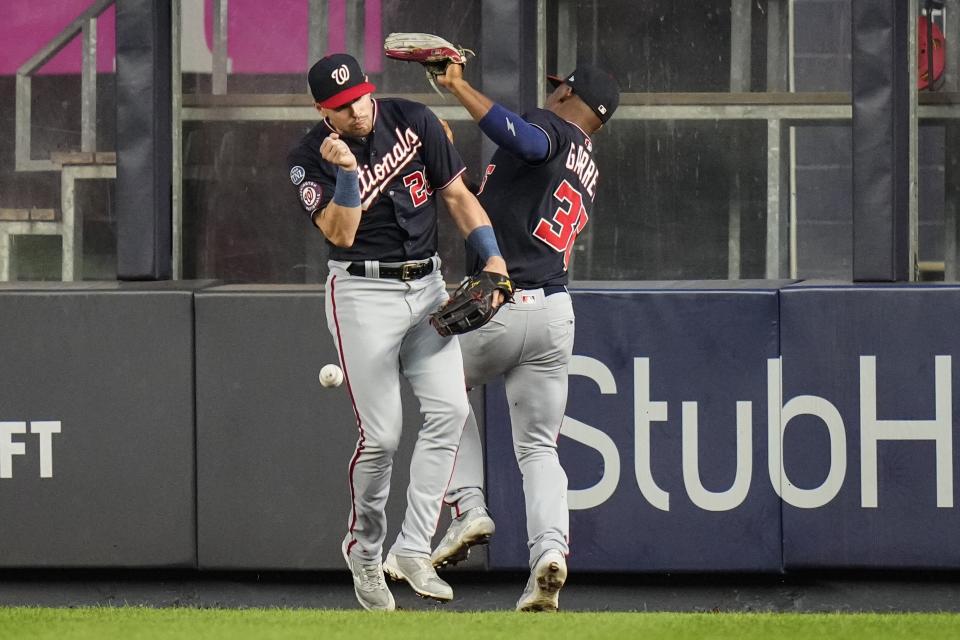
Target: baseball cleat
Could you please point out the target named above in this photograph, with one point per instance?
(420, 575)
(472, 527)
(543, 588)
(368, 583)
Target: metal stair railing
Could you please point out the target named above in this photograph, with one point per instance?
(88, 163)
(85, 24)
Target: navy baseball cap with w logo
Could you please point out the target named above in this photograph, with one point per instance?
(595, 87)
(337, 79)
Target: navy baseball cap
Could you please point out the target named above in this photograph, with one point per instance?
(337, 79)
(595, 86)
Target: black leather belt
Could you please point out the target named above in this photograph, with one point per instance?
(551, 289)
(405, 271)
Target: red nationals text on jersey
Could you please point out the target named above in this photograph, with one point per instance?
(374, 179)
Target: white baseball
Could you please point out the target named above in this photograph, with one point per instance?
(331, 375)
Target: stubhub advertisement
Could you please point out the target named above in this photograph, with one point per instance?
(750, 429)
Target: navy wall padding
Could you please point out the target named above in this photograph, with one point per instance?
(709, 346)
(825, 331)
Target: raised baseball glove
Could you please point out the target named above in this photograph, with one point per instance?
(433, 52)
(471, 305)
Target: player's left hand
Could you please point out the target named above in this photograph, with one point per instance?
(471, 306)
(450, 76)
(496, 264)
(335, 151)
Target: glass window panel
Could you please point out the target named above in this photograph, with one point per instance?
(822, 45)
(931, 235)
(704, 181)
(241, 219)
(824, 202)
(32, 194)
(97, 217)
(667, 193)
(689, 198)
(657, 45)
(938, 146)
(35, 258)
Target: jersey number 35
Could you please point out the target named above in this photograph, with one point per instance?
(567, 222)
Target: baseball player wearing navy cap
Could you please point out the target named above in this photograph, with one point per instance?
(369, 175)
(539, 190)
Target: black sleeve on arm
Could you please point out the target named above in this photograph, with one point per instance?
(313, 185)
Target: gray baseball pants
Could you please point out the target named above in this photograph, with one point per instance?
(381, 330)
(529, 342)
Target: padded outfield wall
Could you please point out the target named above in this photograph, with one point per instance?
(711, 426)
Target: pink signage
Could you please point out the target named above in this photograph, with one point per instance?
(30, 25)
(262, 37)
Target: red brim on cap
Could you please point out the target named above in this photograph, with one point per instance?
(348, 95)
(555, 81)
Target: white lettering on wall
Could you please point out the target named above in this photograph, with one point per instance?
(43, 429)
(593, 438)
(778, 417)
(9, 448)
(737, 493)
(646, 411)
(872, 430)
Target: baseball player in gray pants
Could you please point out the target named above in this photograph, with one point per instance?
(369, 175)
(539, 190)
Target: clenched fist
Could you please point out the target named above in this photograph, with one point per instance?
(335, 151)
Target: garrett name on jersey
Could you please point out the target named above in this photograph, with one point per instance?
(560, 230)
(581, 163)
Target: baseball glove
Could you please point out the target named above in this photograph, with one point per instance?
(471, 305)
(433, 52)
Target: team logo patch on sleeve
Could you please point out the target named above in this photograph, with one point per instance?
(310, 196)
(297, 174)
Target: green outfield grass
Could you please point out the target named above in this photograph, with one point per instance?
(135, 623)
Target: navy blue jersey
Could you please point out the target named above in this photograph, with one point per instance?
(537, 210)
(402, 161)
